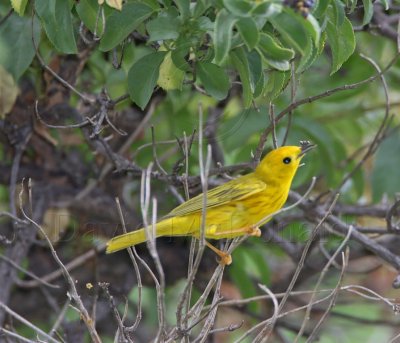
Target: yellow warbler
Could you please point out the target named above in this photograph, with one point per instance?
(235, 208)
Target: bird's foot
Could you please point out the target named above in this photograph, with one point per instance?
(254, 231)
(225, 259)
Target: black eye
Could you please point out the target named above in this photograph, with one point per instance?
(287, 160)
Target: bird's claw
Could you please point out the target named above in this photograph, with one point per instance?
(225, 258)
(254, 231)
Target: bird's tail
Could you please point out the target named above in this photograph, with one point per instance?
(167, 227)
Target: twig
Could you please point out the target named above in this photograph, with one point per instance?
(15, 335)
(328, 93)
(4, 19)
(71, 126)
(122, 337)
(264, 333)
(204, 172)
(260, 146)
(54, 74)
(27, 323)
(72, 289)
(131, 251)
(151, 235)
(292, 97)
(155, 158)
(272, 120)
(341, 227)
(345, 261)
(320, 278)
(229, 328)
(304, 254)
(75, 263)
(60, 318)
(27, 272)
(393, 209)
(19, 150)
(209, 323)
(379, 134)
(109, 166)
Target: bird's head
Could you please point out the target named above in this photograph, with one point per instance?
(281, 164)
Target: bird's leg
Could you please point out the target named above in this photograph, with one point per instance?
(225, 258)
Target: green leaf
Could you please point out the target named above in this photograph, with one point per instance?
(184, 8)
(120, 24)
(368, 11)
(214, 79)
(88, 12)
(178, 55)
(239, 8)
(353, 4)
(170, 77)
(307, 60)
(16, 48)
(276, 82)
(257, 77)
(312, 26)
(338, 12)
(163, 27)
(292, 31)
(143, 76)
(387, 159)
(241, 63)
(8, 92)
(266, 10)
(321, 8)
(275, 55)
(385, 4)
(56, 19)
(223, 35)
(200, 7)
(248, 31)
(342, 42)
(19, 6)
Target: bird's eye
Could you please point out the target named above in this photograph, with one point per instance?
(287, 160)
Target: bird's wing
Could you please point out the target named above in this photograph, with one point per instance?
(234, 190)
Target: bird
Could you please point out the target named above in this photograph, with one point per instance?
(233, 209)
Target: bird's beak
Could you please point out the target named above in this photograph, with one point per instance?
(305, 147)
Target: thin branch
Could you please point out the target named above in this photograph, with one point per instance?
(15, 335)
(328, 93)
(54, 74)
(304, 254)
(272, 120)
(72, 289)
(204, 173)
(379, 134)
(131, 251)
(71, 126)
(393, 209)
(27, 323)
(265, 332)
(320, 278)
(8, 15)
(292, 97)
(345, 261)
(60, 317)
(151, 235)
(27, 272)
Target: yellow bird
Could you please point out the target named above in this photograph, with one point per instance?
(235, 208)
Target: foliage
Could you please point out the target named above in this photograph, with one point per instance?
(108, 70)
